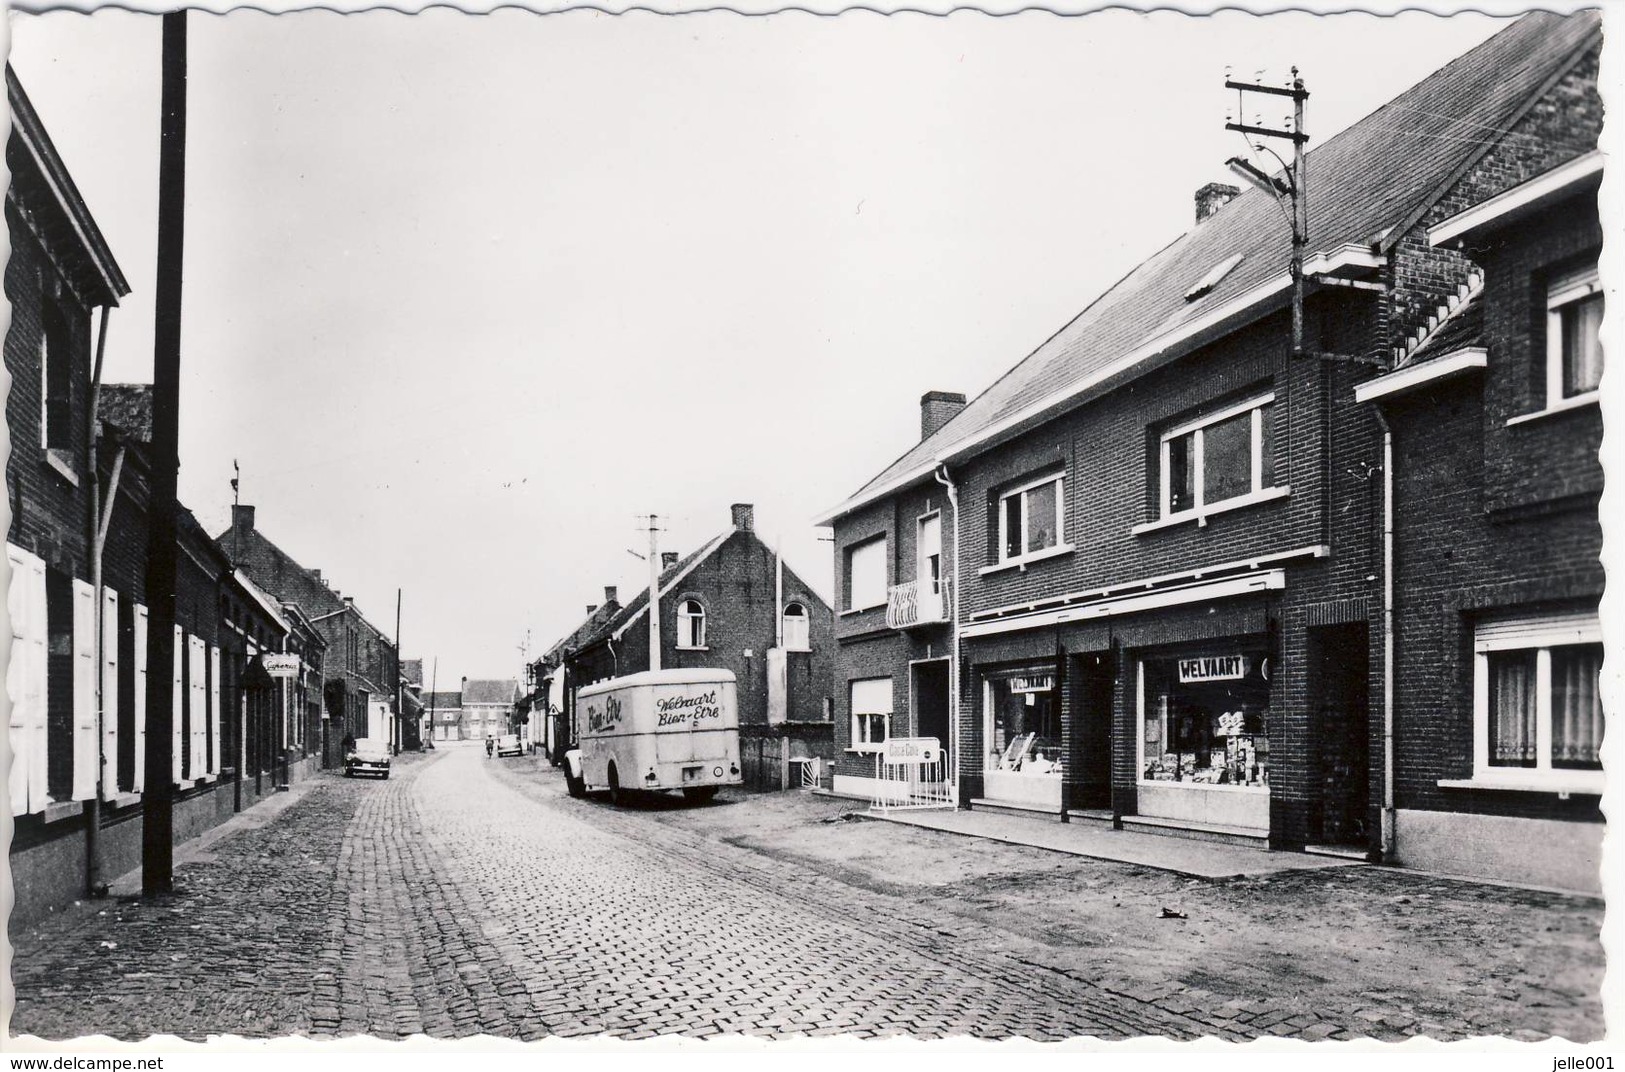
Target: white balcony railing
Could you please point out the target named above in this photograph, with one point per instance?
(917, 603)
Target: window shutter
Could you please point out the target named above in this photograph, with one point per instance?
(177, 769)
(85, 739)
(214, 707)
(25, 682)
(109, 698)
(197, 652)
(1580, 627)
(872, 696)
(140, 772)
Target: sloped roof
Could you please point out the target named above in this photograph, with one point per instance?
(412, 671)
(1464, 328)
(1366, 183)
(576, 639)
(127, 407)
(668, 577)
(443, 701)
(490, 691)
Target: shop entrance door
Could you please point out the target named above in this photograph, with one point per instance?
(1091, 731)
(1339, 694)
(929, 689)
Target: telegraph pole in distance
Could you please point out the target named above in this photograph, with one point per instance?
(1295, 186)
(654, 592)
(157, 798)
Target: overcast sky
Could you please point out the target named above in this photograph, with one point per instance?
(465, 295)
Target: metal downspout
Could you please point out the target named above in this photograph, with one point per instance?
(1388, 810)
(953, 666)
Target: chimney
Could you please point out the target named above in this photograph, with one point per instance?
(744, 516)
(937, 409)
(609, 593)
(591, 607)
(316, 573)
(242, 517)
(668, 559)
(1212, 197)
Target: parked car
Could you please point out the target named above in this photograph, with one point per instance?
(369, 756)
(509, 745)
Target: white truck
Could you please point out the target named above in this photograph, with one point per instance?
(658, 730)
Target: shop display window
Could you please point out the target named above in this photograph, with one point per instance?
(1023, 725)
(1206, 719)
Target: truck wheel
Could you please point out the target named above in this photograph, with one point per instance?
(617, 795)
(576, 787)
(699, 794)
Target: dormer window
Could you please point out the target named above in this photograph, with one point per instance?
(1214, 276)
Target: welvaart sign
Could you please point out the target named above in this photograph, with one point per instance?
(1213, 668)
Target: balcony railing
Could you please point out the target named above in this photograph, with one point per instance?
(917, 603)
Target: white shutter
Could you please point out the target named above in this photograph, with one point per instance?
(177, 773)
(25, 682)
(140, 698)
(214, 707)
(85, 739)
(197, 696)
(1580, 627)
(872, 696)
(109, 704)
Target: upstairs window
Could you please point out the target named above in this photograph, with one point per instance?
(1573, 349)
(928, 567)
(1031, 518)
(866, 575)
(796, 633)
(56, 361)
(690, 624)
(1225, 456)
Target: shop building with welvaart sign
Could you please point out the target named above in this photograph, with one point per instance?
(1148, 578)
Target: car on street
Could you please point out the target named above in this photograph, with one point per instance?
(369, 756)
(509, 745)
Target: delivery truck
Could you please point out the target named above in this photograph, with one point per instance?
(656, 731)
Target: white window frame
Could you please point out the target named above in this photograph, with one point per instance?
(690, 637)
(852, 603)
(1562, 292)
(922, 572)
(1540, 634)
(1257, 491)
(864, 742)
(805, 618)
(1058, 478)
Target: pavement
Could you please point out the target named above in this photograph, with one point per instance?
(1184, 856)
(470, 896)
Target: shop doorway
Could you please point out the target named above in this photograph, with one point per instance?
(1339, 694)
(928, 686)
(1091, 737)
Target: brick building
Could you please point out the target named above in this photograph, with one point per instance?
(361, 672)
(488, 707)
(443, 713)
(1162, 533)
(1495, 429)
(732, 605)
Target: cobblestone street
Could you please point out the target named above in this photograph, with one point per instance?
(465, 896)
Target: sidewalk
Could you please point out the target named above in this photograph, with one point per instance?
(1184, 856)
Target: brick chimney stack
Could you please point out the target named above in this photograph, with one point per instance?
(609, 594)
(744, 516)
(1212, 197)
(937, 408)
(668, 559)
(591, 607)
(242, 517)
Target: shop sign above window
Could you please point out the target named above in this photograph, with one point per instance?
(1032, 683)
(1213, 668)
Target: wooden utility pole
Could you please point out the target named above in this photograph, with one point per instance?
(157, 798)
(400, 692)
(654, 592)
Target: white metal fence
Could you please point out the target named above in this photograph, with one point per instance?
(911, 773)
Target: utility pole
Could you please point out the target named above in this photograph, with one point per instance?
(400, 694)
(157, 798)
(654, 592)
(1294, 188)
(434, 683)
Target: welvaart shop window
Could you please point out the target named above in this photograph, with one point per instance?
(871, 713)
(1224, 457)
(1573, 349)
(796, 633)
(1537, 702)
(690, 624)
(866, 575)
(1031, 518)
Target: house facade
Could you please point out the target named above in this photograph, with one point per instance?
(733, 605)
(488, 706)
(1164, 556)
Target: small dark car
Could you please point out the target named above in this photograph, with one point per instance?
(369, 756)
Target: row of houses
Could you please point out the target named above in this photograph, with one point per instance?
(480, 708)
(272, 668)
(1169, 575)
(732, 604)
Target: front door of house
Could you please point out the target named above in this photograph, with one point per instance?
(929, 689)
(1339, 692)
